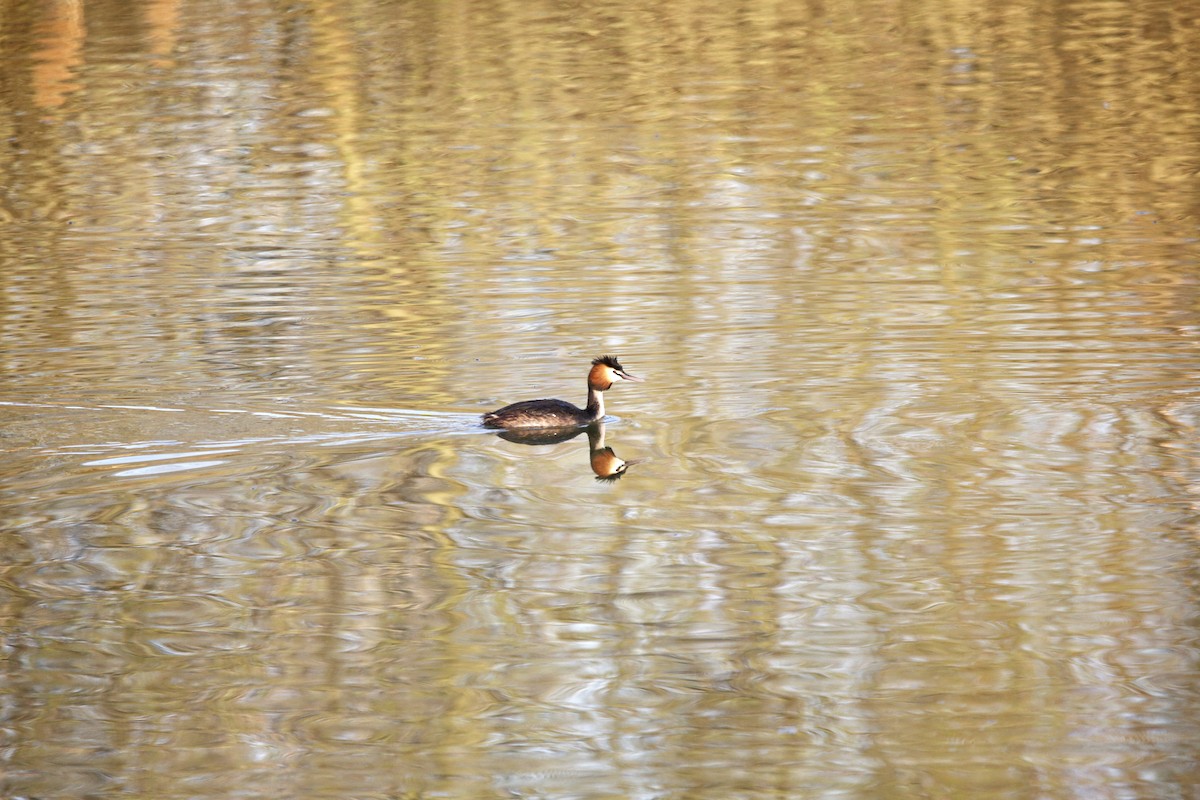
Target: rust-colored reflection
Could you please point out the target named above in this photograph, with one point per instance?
(60, 53)
(162, 21)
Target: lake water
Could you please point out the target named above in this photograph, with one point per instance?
(908, 503)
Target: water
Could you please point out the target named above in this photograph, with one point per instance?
(908, 506)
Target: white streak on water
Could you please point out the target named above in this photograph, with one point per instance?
(136, 459)
(161, 469)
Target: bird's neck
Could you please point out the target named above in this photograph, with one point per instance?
(595, 403)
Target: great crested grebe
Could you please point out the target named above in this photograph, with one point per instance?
(605, 371)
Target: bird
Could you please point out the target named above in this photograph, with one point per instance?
(605, 371)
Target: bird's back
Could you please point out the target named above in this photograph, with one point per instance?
(536, 414)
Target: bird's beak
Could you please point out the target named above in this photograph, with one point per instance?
(629, 377)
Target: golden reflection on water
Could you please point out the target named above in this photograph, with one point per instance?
(908, 502)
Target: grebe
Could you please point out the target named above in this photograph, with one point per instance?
(605, 371)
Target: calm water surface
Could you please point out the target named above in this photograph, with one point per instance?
(910, 500)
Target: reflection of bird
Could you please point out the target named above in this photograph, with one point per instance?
(559, 413)
(539, 435)
(607, 465)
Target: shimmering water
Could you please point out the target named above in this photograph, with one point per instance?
(909, 500)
